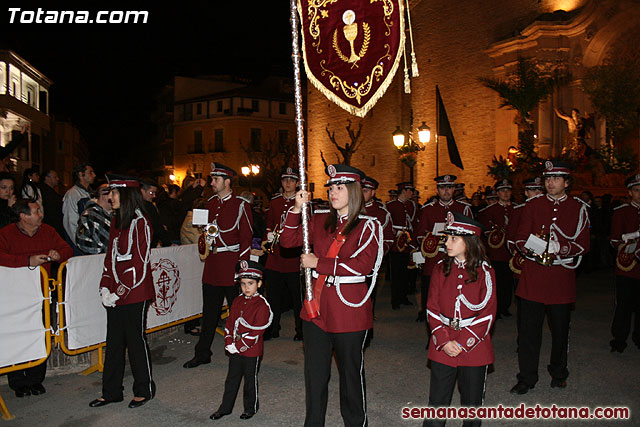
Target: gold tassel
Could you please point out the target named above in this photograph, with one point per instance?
(407, 82)
(414, 62)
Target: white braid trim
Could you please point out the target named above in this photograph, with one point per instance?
(489, 283)
(371, 223)
(241, 321)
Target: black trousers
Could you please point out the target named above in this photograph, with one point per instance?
(530, 338)
(125, 331)
(212, 299)
(27, 377)
(318, 349)
(504, 285)
(627, 304)
(412, 279)
(399, 276)
(424, 292)
(471, 380)
(279, 285)
(241, 367)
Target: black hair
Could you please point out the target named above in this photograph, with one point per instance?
(22, 207)
(147, 183)
(130, 200)
(7, 175)
(28, 183)
(78, 170)
(475, 254)
(173, 188)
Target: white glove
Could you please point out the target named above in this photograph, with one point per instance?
(630, 236)
(108, 299)
(554, 246)
(231, 348)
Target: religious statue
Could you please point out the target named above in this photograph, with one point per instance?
(575, 146)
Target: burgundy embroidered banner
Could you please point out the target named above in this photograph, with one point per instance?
(352, 48)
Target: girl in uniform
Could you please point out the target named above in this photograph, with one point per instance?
(461, 309)
(127, 289)
(347, 248)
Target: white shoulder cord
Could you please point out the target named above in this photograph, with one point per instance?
(115, 253)
(582, 222)
(379, 240)
(240, 320)
(465, 301)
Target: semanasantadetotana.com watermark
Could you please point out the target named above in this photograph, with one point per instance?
(41, 16)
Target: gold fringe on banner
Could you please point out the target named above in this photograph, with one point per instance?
(362, 111)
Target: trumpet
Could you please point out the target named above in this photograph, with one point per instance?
(545, 259)
(211, 230)
(269, 245)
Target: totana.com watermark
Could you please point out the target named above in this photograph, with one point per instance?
(41, 16)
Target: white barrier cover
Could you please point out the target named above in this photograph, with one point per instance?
(22, 333)
(177, 277)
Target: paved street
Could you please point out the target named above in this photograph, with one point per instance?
(396, 375)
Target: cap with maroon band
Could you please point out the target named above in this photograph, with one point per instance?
(289, 172)
(369, 182)
(556, 168)
(343, 174)
(121, 181)
(461, 225)
(218, 169)
(405, 185)
(533, 183)
(249, 270)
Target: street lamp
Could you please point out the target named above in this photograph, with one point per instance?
(408, 147)
(249, 172)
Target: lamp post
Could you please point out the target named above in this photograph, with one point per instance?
(249, 172)
(408, 147)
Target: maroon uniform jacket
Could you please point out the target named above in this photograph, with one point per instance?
(473, 337)
(359, 256)
(247, 333)
(626, 219)
(431, 213)
(16, 246)
(234, 219)
(403, 217)
(378, 211)
(283, 260)
(568, 219)
(497, 216)
(512, 229)
(127, 266)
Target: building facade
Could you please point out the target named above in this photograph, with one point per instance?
(456, 43)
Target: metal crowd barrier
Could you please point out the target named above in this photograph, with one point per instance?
(47, 325)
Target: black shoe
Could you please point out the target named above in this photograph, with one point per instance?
(618, 346)
(521, 388)
(195, 362)
(395, 306)
(23, 391)
(37, 389)
(421, 316)
(297, 337)
(406, 302)
(137, 403)
(217, 415)
(247, 415)
(507, 313)
(556, 383)
(98, 403)
(499, 317)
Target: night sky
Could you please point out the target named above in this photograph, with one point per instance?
(106, 76)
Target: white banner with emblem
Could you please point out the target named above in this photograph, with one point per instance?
(177, 277)
(22, 333)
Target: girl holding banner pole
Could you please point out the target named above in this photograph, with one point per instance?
(347, 248)
(126, 289)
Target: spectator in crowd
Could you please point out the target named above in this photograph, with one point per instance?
(83, 176)
(174, 207)
(149, 190)
(7, 198)
(30, 190)
(30, 243)
(189, 233)
(51, 200)
(92, 235)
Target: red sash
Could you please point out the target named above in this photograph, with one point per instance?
(319, 285)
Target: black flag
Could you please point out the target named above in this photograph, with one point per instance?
(444, 129)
